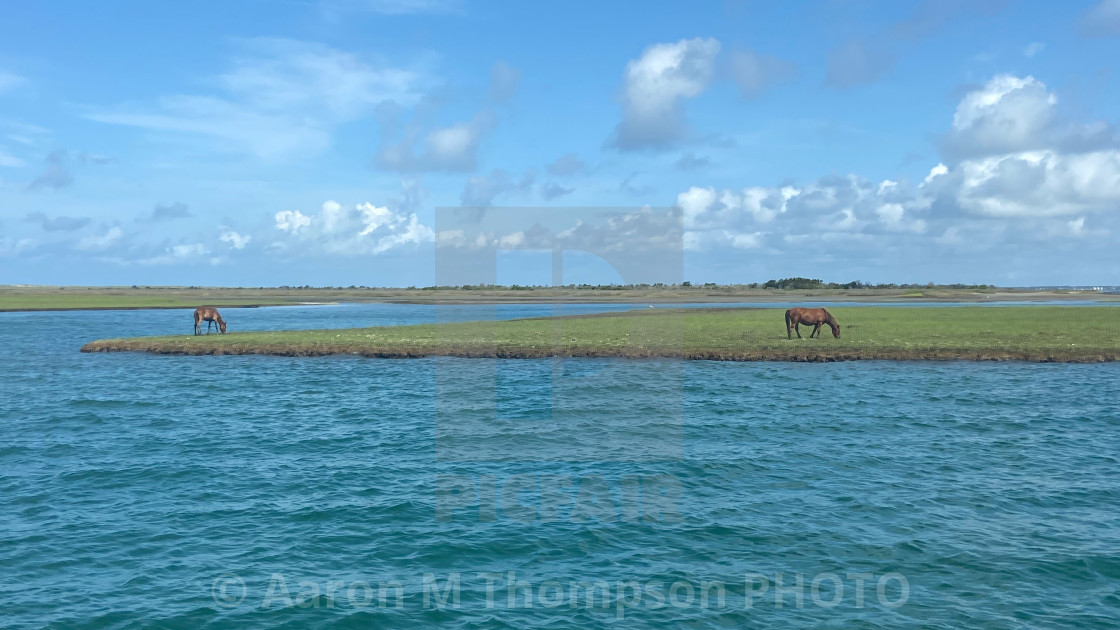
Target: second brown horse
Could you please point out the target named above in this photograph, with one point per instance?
(815, 317)
(210, 315)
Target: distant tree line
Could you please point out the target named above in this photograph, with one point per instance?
(813, 283)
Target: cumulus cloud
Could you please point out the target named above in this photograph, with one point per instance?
(233, 239)
(293, 221)
(1038, 184)
(629, 232)
(1102, 20)
(1008, 113)
(830, 207)
(654, 88)
(1015, 157)
(362, 229)
(57, 224)
(1015, 172)
(756, 73)
(280, 99)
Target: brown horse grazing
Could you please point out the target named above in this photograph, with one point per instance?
(210, 315)
(814, 317)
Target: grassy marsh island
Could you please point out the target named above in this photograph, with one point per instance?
(1076, 334)
(47, 298)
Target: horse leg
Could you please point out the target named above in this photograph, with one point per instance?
(797, 327)
(816, 331)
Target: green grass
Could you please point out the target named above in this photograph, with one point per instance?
(1030, 333)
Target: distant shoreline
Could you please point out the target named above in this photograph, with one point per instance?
(31, 299)
(143, 308)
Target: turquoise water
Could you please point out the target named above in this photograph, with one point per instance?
(184, 492)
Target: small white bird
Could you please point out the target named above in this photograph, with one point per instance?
(651, 306)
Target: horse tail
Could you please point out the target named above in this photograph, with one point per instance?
(789, 318)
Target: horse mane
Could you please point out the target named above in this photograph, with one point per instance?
(830, 320)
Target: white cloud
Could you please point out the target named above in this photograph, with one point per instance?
(356, 230)
(1018, 176)
(1007, 114)
(451, 149)
(282, 98)
(512, 241)
(1077, 226)
(175, 254)
(99, 242)
(188, 251)
(1021, 160)
(934, 172)
(707, 208)
(830, 208)
(895, 217)
(235, 240)
(655, 85)
(293, 220)
(421, 146)
(1039, 184)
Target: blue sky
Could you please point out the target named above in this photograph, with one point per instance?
(268, 143)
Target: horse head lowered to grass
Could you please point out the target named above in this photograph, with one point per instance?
(210, 315)
(815, 317)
